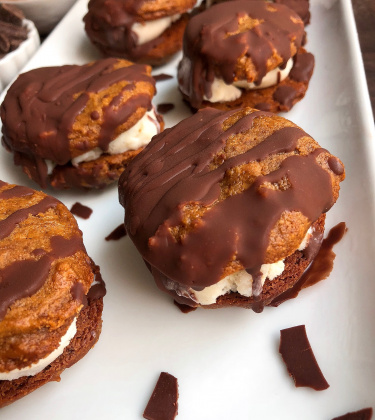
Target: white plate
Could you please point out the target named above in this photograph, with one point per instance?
(227, 361)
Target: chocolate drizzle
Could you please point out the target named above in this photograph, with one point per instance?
(214, 43)
(7, 225)
(24, 278)
(173, 171)
(303, 67)
(41, 107)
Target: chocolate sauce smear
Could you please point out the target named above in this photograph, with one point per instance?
(163, 404)
(161, 77)
(117, 234)
(59, 95)
(320, 268)
(174, 170)
(165, 108)
(364, 414)
(299, 358)
(80, 210)
(215, 41)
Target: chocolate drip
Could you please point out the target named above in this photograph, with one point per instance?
(285, 95)
(97, 290)
(210, 51)
(303, 67)
(170, 174)
(335, 165)
(7, 225)
(78, 293)
(185, 309)
(59, 95)
(22, 279)
(320, 268)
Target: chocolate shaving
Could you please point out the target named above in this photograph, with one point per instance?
(299, 358)
(164, 108)
(161, 77)
(364, 414)
(117, 234)
(163, 402)
(81, 211)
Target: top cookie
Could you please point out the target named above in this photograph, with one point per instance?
(237, 41)
(63, 116)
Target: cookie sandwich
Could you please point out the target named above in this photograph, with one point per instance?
(245, 53)
(51, 298)
(79, 126)
(144, 31)
(227, 208)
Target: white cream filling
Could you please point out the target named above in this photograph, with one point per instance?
(35, 368)
(149, 30)
(137, 136)
(241, 281)
(221, 92)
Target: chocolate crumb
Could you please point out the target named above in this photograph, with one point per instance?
(164, 108)
(117, 234)
(364, 414)
(163, 402)
(299, 358)
(184, 308)
(161, 77)
(80, 210)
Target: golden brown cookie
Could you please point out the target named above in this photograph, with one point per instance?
(144, 31)
(85, 124)
(46, 277)
(233, 198)
(245, 53)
